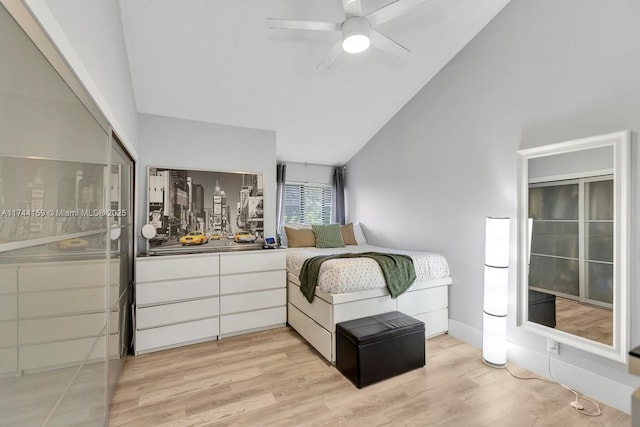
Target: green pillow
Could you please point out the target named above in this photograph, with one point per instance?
(328, 236)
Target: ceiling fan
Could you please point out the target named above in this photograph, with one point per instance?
(357, 30)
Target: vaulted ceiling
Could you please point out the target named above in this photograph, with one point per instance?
(217, 61)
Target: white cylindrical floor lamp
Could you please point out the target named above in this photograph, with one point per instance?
(496, 281)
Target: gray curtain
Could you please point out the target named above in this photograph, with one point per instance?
(338, 195)
(281, 177)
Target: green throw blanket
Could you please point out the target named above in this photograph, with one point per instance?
(398, 271)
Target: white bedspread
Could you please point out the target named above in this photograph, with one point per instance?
(357, 274)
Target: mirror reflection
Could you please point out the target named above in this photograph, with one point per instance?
(571, 259)
(573, 250)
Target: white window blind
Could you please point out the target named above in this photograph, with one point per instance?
(307, 203)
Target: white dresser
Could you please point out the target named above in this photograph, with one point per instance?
(253, 291)
(191, 298)
(52, 313)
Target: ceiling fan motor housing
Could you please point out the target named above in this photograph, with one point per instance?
(355, 34)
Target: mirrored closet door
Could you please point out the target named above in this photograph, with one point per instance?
(66, 241)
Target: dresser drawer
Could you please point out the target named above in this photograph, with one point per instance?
(8, 333)
(8, 360)
(170, 336)
(247, 262)
(176, 290)
(178, 267)
(8, 307)
(64, 327)
(160, 315)
(64, 352)
(236, 283)
(238, 322)
(70, 301)
(64, 275)
(252, 301)
(8, 279)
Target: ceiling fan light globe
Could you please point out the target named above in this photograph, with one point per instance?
(355, 34)
(356, 43)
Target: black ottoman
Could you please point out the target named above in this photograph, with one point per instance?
(378, 347)
(542, 308)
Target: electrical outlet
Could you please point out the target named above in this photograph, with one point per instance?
(553, 346)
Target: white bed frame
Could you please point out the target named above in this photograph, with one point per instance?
(426, 300)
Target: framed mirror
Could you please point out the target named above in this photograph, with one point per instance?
(573, 227)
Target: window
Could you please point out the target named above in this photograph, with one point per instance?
(307, 203)
(572, 239)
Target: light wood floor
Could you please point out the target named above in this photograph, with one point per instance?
(587, 321)
(27, 400)
(274, 378)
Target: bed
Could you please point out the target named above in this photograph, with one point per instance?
(353, 288)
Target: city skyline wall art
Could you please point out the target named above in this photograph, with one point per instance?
(218, 204)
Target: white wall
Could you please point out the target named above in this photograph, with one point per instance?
(187, 144)
(89, 35)
(542, 72)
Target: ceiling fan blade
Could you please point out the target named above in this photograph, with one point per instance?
(292, 24)
(331, 57)
(392, 11)
(387, 45)
(352, 7)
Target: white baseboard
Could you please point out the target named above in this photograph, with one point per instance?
(586, 382)
(465, 333)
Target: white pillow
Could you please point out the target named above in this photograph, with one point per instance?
(283, 234)
(359, 235)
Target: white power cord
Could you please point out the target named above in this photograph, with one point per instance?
(574, 404)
